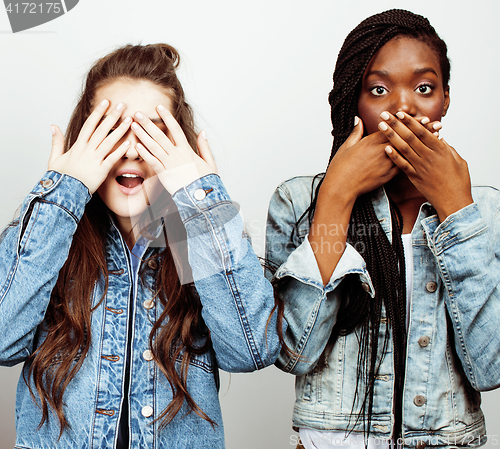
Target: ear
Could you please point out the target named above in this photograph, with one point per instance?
(446, 101)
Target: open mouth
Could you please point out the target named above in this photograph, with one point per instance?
(129, 180)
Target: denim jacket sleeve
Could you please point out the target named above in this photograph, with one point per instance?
(31, 253)
(310, 308)
(237, 300)
(467, 250)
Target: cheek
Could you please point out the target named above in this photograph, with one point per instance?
(435, 110)
(370, 114)
(104, 190)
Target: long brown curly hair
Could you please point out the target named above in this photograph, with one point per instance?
(177, 332)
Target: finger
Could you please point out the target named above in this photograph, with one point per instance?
(92, 121)
(423, 132)
(434, 128)
(113, 138)
(150, 159)
(155, 131)
(106, 125)
(425, 121)
(399, 160)
(404, 141)
(355, 136)
(412, 135)
(205, 152)
(57, 149)
(357, 132)
(152, 145)
(172, 125)
(427, 124)
(115, 156)
(393, 171)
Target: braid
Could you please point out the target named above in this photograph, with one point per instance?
(384, 260)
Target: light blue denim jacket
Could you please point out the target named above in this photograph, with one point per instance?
(237, 301)
(453, 349)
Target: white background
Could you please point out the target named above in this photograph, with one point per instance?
(258, 75)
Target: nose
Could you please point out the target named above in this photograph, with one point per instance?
(131, 152)
(404, 102)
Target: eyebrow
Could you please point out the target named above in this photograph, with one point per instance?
(415, 72)
(425, 70)
(377, 72)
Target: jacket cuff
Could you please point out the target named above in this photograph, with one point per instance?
(63, 190)
(302, 265)
(199, 196)
(459, 226)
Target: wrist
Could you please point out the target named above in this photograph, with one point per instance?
(337, 197)
(444, 211)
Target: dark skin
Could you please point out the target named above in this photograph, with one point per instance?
(401, 103)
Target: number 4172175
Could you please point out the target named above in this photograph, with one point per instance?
(34, 8)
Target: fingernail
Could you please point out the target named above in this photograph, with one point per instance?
(127, 119)
(160, 107)
(53, 130)
(388, 150)
(400, 115)
(356, 120)
(425, 120)
(135, 125)
(119, 106)
(436, 134)
(382, 126)
(385, 116)
(204, 135)
(139, 146)
(104, 103)
(126, 143)
(139, 115)
(437, 126)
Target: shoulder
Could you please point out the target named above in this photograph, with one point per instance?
(288, 204)
(487, 198)
(299, 191)
(485, 192)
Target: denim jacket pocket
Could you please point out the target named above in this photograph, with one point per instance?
(309, 385)
(203, 361)
(58, 359)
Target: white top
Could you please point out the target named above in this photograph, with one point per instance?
(324, 439)
(409, 273)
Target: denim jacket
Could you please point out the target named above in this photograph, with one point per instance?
(237, 301)
(453, 349)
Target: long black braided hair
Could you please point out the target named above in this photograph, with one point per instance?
(384, 260)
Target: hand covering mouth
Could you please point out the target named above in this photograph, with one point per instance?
(129, 180)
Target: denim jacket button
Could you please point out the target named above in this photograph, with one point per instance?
(153, 264)
(148, 304)
(420, 445)
(147, 411)
(147, 355)
(423, 341)
(419, 400)
(431, 286)
(200, 194)
(366, 287)
(46, 183)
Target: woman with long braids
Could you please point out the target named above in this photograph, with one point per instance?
(121, 349)
(389, 262)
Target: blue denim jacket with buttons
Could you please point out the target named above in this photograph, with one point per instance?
(453, 349)
(237, 302)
